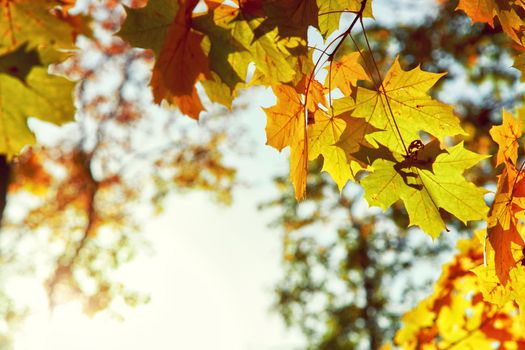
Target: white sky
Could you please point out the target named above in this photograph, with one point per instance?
(210, 276)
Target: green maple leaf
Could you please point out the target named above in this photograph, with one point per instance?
(291, 18)
(427, 184)
(229, 57)
(26, 89)
(147, 27)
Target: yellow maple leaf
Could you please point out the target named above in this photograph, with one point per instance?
(402, 109)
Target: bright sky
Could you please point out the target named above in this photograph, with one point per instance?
(210, 278)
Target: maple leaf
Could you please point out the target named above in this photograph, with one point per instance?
(493, 291)
(402, 110)
(502, 241)
(165, 27)
(330, 13)
(432, 181)
(465, 311)
(506, 136)
(509, 13)
(316, 93)
(512, 289)
(323, 136)
(250, 38)
(479, 11)
(229, 57)
(218, 92)
(32, 22)
(509, 200)
(275, 62)
(236, 40)
(30, 34)
(345, 72)
(286, 126)
(147, 27)
(288, 18)
(26, 89)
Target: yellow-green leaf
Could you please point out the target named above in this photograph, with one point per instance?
(31, 22)
(27, 90)
(147, 27)
(427, 183)
(323, 136)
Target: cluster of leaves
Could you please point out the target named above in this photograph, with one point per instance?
(390, 129)
(376, 127)
(474, 303)
(457, 315)
(502, 274)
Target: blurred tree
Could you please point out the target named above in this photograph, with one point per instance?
(349, 271)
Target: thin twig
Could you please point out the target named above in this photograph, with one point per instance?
(382, 86)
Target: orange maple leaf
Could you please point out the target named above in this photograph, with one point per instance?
(181, 64)
(316, 93)
(286, 126)
(506, 136)
(345, 72)
(501, 241)
(479, 10)
(509, 13)
(510, 194)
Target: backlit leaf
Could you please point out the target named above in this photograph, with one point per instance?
(330, 13)
(323, 136)
(27, 90)
(433, 181)
(509, 13)
(32, 22)
(345, 72)
(403, 110)
(286, 126)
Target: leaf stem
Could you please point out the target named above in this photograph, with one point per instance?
(331, 55)
(382, 86)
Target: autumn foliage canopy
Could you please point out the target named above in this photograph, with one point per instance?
(373, 122)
